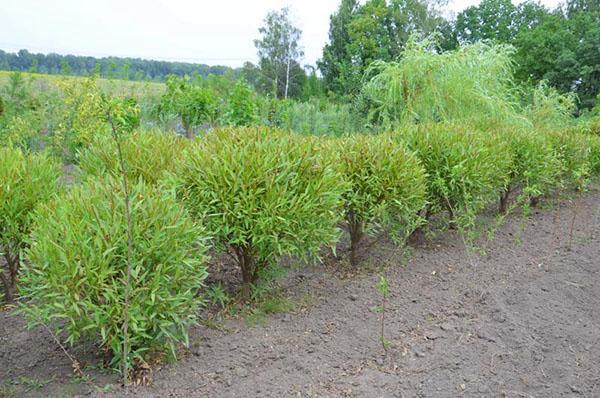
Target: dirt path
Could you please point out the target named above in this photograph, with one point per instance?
(521, 321)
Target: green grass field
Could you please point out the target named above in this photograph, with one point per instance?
(113, 86)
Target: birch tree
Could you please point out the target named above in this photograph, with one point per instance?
(279, 53)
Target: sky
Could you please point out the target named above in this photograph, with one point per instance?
(214, 32)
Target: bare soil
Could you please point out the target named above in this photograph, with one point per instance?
(521, 320)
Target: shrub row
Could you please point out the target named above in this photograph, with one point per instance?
(255, 193)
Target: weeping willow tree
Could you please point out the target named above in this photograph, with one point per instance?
(472, 84)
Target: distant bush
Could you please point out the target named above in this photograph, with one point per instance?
(241, 107)
(147, 155)
(190, 101)
(386, 186)
(81, 117)
(319, 117)
(262, 193)
(77, 265)
(465, 168)
(25, 182)
(19, 95)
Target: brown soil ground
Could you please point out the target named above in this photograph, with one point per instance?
(521, 320)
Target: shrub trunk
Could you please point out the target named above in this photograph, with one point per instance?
(504, 198)
(9, 278)
(250, 266)
(189, 130)
(356, 233)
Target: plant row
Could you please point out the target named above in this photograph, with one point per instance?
(256, 194)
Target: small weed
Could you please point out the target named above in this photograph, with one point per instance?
(7, 391)
(215, 323)
(255, 318)
(384, 288)
(273, 305)
(216, 295)
(31, 384)
(104, 389)
(83, 379)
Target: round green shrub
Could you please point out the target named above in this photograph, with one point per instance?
(262, 193)
(76, 275)
(466, 168)
(534, 167)
(147, 154)
(386, 185)
(26, 180)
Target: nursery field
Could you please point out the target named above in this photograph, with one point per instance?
(517, 322)
(434, 234)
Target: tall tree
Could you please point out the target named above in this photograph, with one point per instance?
(490, 20)
(376, 30)
(279, 52)
(336, 63)
(563, 49)
(498, 20)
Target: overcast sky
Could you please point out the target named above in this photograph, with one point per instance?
(203, 31)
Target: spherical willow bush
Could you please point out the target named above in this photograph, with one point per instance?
(148, 154)
(26, 180)
(386, 186)
(534, 167)
(465, 168)
(262, 193)
(78, 269)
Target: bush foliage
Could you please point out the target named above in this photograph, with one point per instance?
(148, 154)
(242, 108)
(77, 264)
(262, 194)
(534, 166)
(25, 182)
(473, 83)
(574, 153)
(465, 168)
(386, 185)
(189, 101)
(81, 117)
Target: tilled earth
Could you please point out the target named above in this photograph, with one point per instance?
(521, 320)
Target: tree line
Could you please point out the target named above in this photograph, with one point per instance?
(110, 67)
